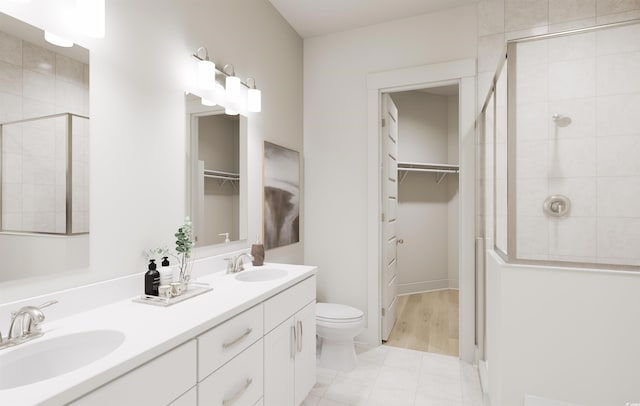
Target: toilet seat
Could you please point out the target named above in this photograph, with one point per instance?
(337, 313)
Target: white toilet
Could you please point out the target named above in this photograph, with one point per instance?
(337, 325)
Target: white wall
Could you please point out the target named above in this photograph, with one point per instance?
(453, 152)
(138, 140)
(564, 334)
(335, 136)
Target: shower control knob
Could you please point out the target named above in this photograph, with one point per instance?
(556, 206)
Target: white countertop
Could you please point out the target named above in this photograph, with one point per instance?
(150, 331)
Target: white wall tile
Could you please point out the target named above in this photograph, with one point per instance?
(531, 159)
(69, 70)
(490, 17)
(618, 115)
(491, 49)
(45, 222)
(570, 47)
(581, 112)
(618, 156)
(10, 79)
(572, 79)
(531, 194)
(524, 14)
(531, 236)
(619, 17)
(572, 158)
(38, 59)
(12, 221)
(618, 40)
(69, 97)
(60, 199)
(39, 86)
(532, 83)
(618, 238)
(11, 198)
(10, 107)
(11, 168)
(575, 236)
(44, 199)
(36, 108)
(604, 7)
(581, 192)
(533, 121)
(10, 49)
(11, 139)
(533, 53)
(619, 197)
(571, 25)
(568, 10)
(618, 74)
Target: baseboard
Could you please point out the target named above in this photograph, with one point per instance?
(420, 287)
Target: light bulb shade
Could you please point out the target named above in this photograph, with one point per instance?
(230, 112)
(206, 75)
(232, 89)
(57, 40)
(207, 102)
(254, 100)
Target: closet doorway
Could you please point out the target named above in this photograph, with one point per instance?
(420, 236)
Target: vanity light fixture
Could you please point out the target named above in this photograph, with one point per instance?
(230, 95)
(232, 84)
(230, 112)
(254, 97)
(57, 40)
(206, 71)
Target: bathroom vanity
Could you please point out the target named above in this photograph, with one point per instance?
(248, 342)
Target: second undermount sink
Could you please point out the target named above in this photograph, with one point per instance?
(39, 360)
(260, 274)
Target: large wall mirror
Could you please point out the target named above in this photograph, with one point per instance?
(44, 154)
(217, 175)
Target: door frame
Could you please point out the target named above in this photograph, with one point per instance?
(463, 73)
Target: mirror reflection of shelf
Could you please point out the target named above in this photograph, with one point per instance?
(223, 177)
(440, 170)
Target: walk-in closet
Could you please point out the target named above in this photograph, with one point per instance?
(427, 220)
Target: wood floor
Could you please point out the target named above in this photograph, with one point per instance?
(427, 322)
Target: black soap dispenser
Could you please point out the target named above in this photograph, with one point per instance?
(151, 279)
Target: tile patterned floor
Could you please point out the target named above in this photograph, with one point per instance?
(388, 376)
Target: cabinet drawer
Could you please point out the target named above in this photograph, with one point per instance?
(285, 304)
(157, 382)
(238, 382)
(188, 399)
(220, 344)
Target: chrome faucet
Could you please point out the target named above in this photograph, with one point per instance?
(235, 265)
(25, 324)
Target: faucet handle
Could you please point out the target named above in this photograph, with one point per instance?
(230, 264)
(36, 316)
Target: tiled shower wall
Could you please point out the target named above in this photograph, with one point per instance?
(501, 20)
(36, 82)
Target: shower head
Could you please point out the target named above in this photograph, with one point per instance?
(561, 121)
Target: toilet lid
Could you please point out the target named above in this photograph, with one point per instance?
(337, 312)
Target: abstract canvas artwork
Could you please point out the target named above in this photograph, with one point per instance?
(281, 196)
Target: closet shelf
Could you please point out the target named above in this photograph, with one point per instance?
(224, 177)
(441, 170)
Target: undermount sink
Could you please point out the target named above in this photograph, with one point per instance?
(40, 360)
(261, 274)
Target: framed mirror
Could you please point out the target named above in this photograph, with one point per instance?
(44, 154)
(216, 192)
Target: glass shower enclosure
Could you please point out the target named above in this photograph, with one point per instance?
(45, 175)
(563, 119)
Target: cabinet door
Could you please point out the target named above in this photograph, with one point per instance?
(305, 361)
(279, 361)
(188, 399)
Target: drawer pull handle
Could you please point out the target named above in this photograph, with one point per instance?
(300, 335)
(231, 343)
(294, 341)
(239, 393)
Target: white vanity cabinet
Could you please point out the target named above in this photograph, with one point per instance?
(290, 345)
(230, 359)
(160, 381)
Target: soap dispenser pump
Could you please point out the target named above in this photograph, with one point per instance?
(166, 273)
(226, 237)
(152, 279)
(257, 251)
